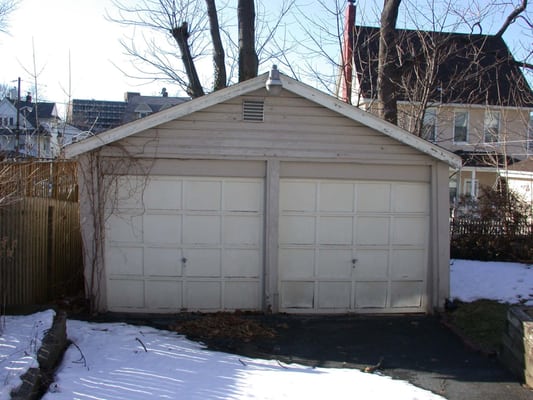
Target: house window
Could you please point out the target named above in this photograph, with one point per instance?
(491, 126)
(470, 187)
(460, 127)
(429, 124)
(530, 132)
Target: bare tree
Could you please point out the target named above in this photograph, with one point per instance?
(6, 8)
(248, 61)
(219, 58)
(197, 30)
(387, 62)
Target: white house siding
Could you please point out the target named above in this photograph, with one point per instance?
(298, 142)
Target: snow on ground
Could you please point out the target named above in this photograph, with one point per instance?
(119, 361)
(20, 339)
(505, 282)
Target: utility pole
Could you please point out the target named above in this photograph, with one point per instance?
(17, 133)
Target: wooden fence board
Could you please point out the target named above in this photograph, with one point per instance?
(40, 239)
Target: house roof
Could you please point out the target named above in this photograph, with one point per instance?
(148, 104)
(469, 68)
(485, 159)
(523, 166)
(40, 110)
(249, 86)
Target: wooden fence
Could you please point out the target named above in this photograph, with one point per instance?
(40, 240)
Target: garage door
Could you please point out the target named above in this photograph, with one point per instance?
(184, 244)
(353, 246)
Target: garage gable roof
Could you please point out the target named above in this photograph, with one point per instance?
(243, 88)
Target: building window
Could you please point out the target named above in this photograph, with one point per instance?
(491, 126)
(429, 125)
(470, 187)
(460, 127)
(530, 132)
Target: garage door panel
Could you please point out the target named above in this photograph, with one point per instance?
(243, 196)
(124, 293)
(336, 197)
(408, 264)
(242, 230)
(162, 229)
(296, 263)
(334, 295)
(162, 194)
(372, 265)
(371, 295)
(163, 295)
(373, 197)
(300, 196)
(297, 295)
(124, 228)
(186, 242)
(241, 263)
(204, 295)
(335, 230)
(202, 262)
(384, 226)
(124, 260)
(202, 195)
(410, 231)
(410, 198)
(242, 295)
(128, 192)
(162, 261)
(334, 263)
(201, 229)
(372, 231)
(406, 294)
(297, 230)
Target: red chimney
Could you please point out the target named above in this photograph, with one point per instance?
(347, 53)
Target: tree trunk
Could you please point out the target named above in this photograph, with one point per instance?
(181, 35)
(387, 65)
(248, 60)
(219, 63)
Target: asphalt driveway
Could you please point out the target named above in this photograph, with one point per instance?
(419, 349)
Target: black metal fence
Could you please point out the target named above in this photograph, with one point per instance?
(491, 240)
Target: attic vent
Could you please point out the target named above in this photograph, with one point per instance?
(253, 110)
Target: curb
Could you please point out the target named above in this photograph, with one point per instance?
(36, 380)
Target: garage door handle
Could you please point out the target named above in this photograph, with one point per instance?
(184, 260)
(354, 261)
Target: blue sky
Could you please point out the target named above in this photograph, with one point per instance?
(60, 32)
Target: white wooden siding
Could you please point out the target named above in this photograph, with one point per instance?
(293, 127)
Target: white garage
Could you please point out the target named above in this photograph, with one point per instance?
(246, 199)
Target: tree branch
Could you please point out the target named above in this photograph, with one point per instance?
(512, 17)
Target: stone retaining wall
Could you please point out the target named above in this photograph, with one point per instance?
(35, 382)
(517, 345)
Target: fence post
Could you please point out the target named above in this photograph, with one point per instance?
(50, 251)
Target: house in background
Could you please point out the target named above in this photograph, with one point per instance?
(96, 116)
(464, 92)
(266, 195)
(28, 129)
